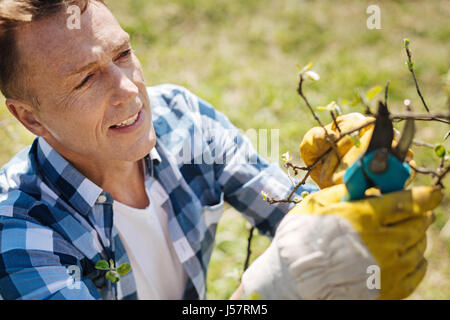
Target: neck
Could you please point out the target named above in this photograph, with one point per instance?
(124, 180)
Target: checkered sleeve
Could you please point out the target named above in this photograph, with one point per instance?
(35, 264)
(242, 173)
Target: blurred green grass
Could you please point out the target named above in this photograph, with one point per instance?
(241, 56)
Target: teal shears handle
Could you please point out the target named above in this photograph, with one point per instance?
(392, 179)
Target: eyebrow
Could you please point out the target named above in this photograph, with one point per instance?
(124, 44)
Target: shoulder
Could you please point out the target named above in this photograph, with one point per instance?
(172, 103)
(16, 176)
(172, 96)
(29, 220)
(179, 98)
(21, 187)
(16, 171)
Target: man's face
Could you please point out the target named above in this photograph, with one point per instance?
(87, 82)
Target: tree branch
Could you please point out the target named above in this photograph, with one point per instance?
(249, 251)
(411, 69)
(300, 92)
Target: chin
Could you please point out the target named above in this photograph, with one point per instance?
(143, 147)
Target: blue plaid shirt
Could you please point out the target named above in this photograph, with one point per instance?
(55, 224)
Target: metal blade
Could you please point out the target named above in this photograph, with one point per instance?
(405, 141)
(383, 133)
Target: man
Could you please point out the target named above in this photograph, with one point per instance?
(123, 173)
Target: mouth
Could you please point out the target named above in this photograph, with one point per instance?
(126, 122)
(129, 123)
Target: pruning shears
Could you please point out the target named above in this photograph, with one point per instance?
(381, 165)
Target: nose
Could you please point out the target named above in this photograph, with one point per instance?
(123, 89)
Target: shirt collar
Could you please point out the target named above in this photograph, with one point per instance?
(154, 155)
(72, 185)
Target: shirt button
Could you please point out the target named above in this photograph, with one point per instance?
(101, 199)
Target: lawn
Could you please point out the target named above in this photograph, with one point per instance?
(241, 56)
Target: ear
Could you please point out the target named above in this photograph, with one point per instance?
(28, 115)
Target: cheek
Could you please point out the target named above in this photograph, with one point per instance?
(79, 120)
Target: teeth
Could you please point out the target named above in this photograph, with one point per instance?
(127, 122)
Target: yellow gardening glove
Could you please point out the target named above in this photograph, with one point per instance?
(314, 144)
(392, 228)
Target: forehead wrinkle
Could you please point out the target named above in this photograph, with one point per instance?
(101, 41)
(96, 55)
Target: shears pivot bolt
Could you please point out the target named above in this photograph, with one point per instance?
(379, 163)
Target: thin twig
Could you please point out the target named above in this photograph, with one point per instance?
(386, 92)
(424, 171)
(441, 176)
(444, 118)
(411, 69)
(335, 122)
(249, 251)
(288, 200)
(422, 144)
(441, 165)
(302, 182)
(438, 176)
(295, 168)
(349, 132)
(327, 136)
(363, 101)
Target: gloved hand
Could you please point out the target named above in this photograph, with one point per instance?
(327, 249)
(314, 144)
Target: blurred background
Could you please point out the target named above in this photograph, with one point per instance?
(241, 56)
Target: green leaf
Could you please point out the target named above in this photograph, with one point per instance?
(344, 102)
(305, 68)
(355, 138)
(406, 42)
(308, 67)
(124, 268)
(304, 194)
(332, 106)
(440, 151)
(357, 98)
(264, 195)
(102, 265)
(286, 157)
(111, 263)
(112, 276)
(372, 92)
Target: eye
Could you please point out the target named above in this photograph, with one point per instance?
(124, 54)
(85, 80)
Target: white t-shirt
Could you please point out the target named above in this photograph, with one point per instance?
(145, 235)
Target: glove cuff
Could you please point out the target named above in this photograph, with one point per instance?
(312, 257)
(269, 278)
